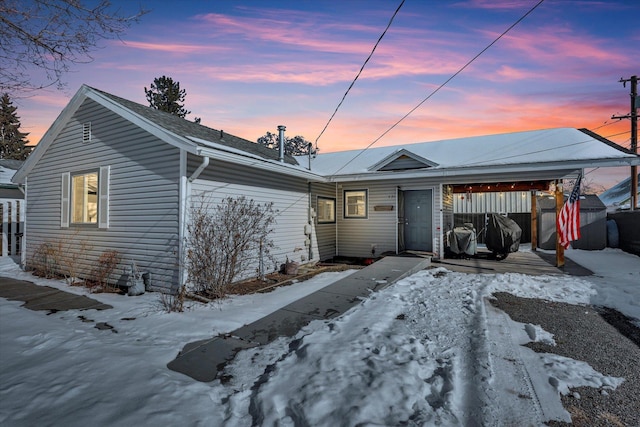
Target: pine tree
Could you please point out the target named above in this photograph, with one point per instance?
(166, 95)
(13, 141)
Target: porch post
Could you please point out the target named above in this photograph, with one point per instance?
(534, 222)
(559, 247)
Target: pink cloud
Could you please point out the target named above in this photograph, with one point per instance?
(176, 48)
(492, 4)
(553, 45)
(304, 35)
(511, 73)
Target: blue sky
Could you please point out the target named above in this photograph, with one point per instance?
(248, 66)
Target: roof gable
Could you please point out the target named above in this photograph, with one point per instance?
(402, 159)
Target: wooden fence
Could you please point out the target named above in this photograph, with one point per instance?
(12, 213)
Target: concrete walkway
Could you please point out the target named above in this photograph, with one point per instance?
(46, 298)
(203, 360)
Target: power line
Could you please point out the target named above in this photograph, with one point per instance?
(359, 72)
(607, 123)
(441, 86)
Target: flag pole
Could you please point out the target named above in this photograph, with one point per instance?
(559, 202)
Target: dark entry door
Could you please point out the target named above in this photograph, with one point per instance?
(418, 220)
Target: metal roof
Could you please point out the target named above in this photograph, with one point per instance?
(530, 152)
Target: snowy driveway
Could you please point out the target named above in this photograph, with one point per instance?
(428, 350)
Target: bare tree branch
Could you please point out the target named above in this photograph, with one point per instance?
(42, 39)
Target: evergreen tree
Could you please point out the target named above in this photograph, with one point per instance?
(13, 141)
(296, 146)
(166, 95)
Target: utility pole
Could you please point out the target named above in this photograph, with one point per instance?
(635, 103)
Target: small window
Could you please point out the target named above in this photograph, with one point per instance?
(84, 198)
(86, 132)
(355, 204)
(326, 210)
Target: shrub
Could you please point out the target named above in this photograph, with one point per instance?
(45, 261)
(64, 257)
(173, 302)
(224, 240)
(101, 273)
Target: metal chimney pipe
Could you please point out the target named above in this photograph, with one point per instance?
(281, 130)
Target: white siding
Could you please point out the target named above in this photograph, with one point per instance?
(326, 233)
(289, 195)
(143, 194)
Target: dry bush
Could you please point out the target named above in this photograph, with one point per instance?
(64, 257)
(73, 256)
(102, 272)
(224, 240)
(173, 302)
(45, 261)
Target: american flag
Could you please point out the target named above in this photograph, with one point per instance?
(568, 223)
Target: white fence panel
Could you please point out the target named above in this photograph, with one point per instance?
(12, 212)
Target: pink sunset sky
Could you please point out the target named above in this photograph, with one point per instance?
(248, 66)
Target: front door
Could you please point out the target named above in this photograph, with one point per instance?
(418, 219)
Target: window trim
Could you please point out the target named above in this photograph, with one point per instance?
(333, 211)
(345, 194)
(102, 198)
(72, 198)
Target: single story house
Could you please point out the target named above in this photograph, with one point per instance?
(405, 193)
(123, 176)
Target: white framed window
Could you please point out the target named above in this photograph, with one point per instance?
(85, 198)
(326, 210)
(355, 203)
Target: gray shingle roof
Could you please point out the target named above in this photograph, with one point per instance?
(11, 164)
(188, 129)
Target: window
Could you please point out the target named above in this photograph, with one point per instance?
(84, 198)
(355, 204)
(326, 210)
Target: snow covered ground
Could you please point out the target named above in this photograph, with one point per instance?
(426, 351)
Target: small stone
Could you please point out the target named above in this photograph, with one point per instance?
(576, 395)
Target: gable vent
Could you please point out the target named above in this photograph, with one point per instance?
(402, 159)
(86, 132)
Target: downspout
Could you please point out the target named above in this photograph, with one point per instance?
(197, 172)
(184, 202)
(281, 130)
(310, 225)
(23, 242)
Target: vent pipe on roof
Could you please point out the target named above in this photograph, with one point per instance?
(281, 130)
